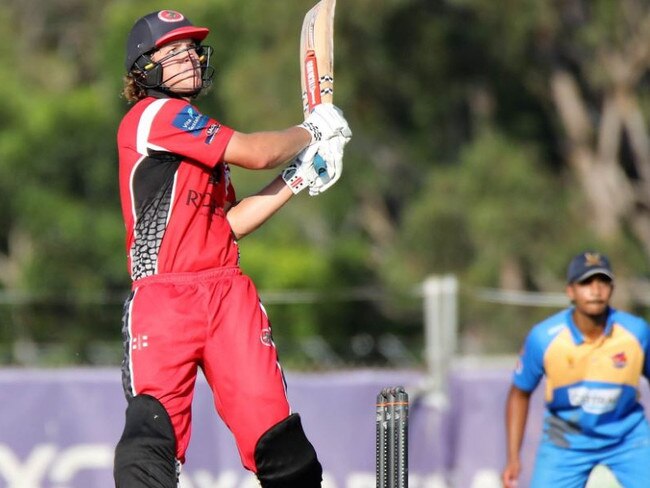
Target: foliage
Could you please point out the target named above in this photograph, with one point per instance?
(463, 159)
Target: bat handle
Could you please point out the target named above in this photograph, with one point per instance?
(320, 165)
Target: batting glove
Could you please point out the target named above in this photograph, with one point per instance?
(301, 173)
(331, 152)
(325, 122)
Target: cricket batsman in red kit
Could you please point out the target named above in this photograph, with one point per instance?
(191, 306)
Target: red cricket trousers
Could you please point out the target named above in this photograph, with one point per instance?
(175, 323)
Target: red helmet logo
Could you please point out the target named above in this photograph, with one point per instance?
(170, 16)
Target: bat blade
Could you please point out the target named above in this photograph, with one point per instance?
(317, 55)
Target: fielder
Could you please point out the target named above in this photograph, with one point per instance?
(191, 307)
(593, 357)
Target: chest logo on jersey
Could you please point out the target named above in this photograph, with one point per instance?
(619, 360)
(594, 400)
(190, 120)
(215, 194)
(202, 200)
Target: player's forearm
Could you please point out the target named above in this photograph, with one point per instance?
(251, 212)
(266, 150)
(516, 417)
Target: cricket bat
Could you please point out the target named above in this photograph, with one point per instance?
(317, 61)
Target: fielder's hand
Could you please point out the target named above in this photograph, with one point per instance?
(332, 152)
(325, 122)
(301, 173)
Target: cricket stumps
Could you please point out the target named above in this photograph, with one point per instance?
(392, 438)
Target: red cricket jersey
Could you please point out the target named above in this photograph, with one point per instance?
(174, 186)
(175, 189)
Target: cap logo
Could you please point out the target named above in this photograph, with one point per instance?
(593, 259)
(170, 16)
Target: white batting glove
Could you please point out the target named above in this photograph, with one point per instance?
(325, 122)
(301, 173)
(331, 151)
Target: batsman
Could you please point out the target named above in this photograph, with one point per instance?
(191, 307)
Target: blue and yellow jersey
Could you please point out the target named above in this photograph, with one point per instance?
(591, 387)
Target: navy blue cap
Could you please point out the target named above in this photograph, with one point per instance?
(158, 28)
(588, 264)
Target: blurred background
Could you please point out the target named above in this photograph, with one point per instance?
(492, 142)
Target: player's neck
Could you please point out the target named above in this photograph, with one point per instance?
(592, 327)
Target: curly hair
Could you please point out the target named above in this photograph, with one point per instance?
(132, 91)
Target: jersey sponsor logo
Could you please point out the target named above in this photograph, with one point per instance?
(210, 132)
(619, 360)
(594, 400)
(190, 120)
(203, 200)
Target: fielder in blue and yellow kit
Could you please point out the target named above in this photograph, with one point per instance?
(593, 357)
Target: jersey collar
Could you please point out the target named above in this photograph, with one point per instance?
(578, 338)
(161, 93)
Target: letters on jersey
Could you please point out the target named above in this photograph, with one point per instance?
(175, 189)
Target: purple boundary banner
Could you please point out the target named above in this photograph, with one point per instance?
(58, 429)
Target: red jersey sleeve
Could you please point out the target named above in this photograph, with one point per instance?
(180, 128)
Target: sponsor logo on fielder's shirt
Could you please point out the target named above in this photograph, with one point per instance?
(190, 120)
(594, 400)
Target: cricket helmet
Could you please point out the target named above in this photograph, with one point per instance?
(157, 29)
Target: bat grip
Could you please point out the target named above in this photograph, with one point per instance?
(320, 165)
